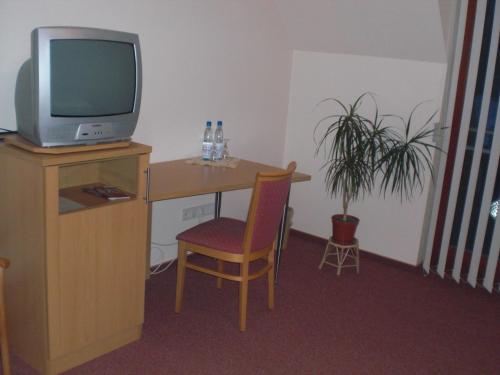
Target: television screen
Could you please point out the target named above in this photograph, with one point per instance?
(91, 78)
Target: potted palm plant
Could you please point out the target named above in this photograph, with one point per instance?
(361, 153)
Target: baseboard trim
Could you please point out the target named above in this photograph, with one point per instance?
(364, 253)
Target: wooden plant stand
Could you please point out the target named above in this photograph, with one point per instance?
(342, 253)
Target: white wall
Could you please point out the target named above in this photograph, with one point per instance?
(218, 59)
(387, 227)
(403, 29)
(448, 11)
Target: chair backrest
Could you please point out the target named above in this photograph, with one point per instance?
(269, 196)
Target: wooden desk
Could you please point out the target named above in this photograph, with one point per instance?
(177, 179)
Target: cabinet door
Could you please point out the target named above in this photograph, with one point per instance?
(99, 289)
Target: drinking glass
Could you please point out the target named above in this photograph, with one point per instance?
(225, 151)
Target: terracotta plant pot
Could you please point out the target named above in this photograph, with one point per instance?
(343, 231)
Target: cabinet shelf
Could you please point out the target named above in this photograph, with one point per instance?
(73, 178)
(74, 198)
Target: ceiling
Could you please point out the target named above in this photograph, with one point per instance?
(402, 29)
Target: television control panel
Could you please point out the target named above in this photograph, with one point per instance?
(94, 131)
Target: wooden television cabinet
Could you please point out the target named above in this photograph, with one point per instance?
(75, 288)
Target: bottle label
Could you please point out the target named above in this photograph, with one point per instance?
(219, 148)
(206, 151)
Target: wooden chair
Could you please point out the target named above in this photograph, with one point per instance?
(231, 240)
(4, 264)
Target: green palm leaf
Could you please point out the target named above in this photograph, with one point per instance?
(357, 149)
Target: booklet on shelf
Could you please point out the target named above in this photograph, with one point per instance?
(111, 193)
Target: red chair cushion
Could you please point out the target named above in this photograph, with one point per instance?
(224, 234)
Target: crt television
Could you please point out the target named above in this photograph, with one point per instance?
(82, 86)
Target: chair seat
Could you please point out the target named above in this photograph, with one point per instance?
(224, 234)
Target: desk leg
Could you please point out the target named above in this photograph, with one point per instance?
(218, 202)
(279, 242)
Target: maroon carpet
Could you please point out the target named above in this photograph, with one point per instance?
(389, 319)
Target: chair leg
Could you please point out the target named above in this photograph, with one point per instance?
(243, 296)
(270, 281)
(220, 268)
(181, 275)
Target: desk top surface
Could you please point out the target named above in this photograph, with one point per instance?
(177, 179)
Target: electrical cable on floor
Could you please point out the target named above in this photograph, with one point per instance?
(161, 267)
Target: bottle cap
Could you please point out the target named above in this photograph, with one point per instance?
(209, 124)
(219, 123)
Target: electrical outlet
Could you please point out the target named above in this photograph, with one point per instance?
(195, 212)
(208, 209)
(187, 214)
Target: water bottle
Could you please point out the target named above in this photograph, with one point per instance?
(208, 141)
(218, 141)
